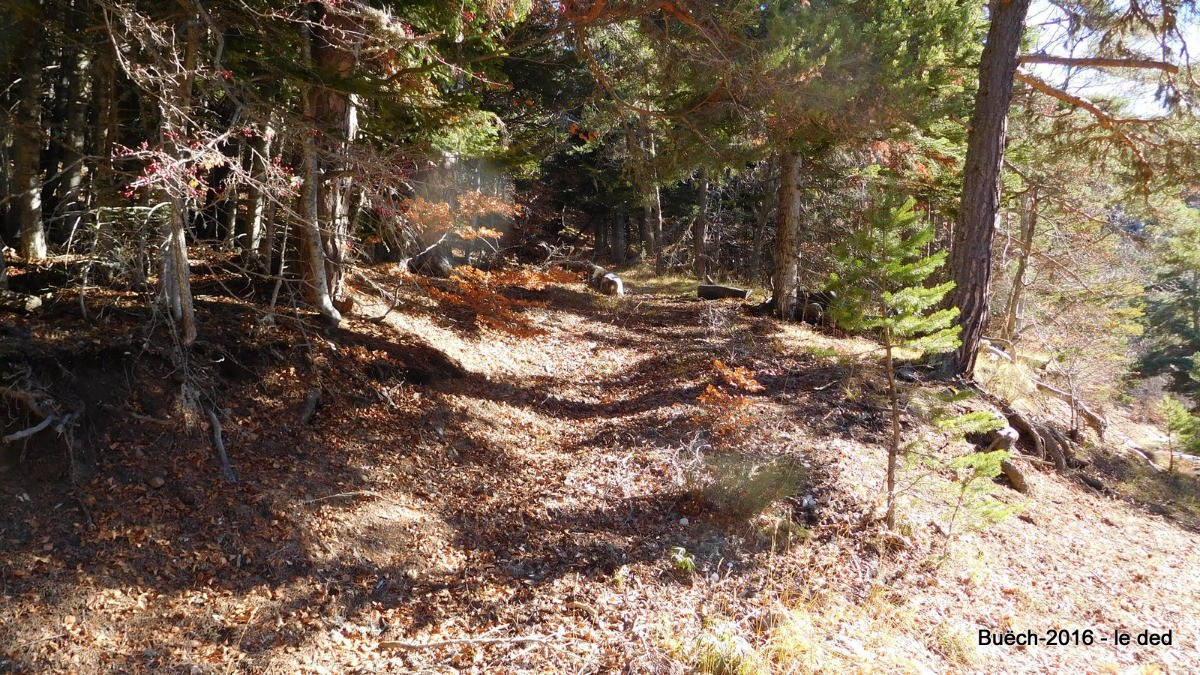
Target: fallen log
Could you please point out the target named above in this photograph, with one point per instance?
(718, 292)
(1095, 421)
(19, 303)
(1048, 442)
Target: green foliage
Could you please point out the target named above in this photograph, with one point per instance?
(979, 422)
(682, 560)
(879, 287)
(975, 474)
(1183, 428)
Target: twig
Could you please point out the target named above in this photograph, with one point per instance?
(136, 416)
(464, 641)
(356, 493)
(220, 445)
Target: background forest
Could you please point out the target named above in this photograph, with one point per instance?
(738, 141)
(999, 197)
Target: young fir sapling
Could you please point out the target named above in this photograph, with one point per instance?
(879, 288)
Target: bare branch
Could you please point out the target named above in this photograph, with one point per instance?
(1097, 62)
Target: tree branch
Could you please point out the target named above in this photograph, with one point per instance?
(1102, 116)
(1097, 62)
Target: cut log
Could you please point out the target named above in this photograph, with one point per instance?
(718, 292)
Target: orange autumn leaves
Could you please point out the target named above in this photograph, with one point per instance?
(433, 219)
(480, 293)
(722, 405)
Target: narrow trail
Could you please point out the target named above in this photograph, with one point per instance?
(446, 503)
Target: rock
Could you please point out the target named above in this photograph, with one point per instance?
(156, 482)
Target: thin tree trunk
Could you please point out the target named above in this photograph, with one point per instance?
(894, 447)
(103, 186)
(266, 245)
(601, 249)
(654, 224)
(312, 250)
(700, 230)
(1196, 301)
(1012, 315)
(787, 235)
(177, 286)
(971, 250)
(71, 192)
(335, 44)
(27, 144)
(617, 237)
(761, 217)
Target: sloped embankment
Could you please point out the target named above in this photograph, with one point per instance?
(576, 499)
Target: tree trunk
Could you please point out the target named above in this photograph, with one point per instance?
(312, 249)
(1012, 315)
(336, 40)
(787, 235)
(894, 446)
(1195, 301)
(600, 250)
(762, 216)
(70, 188)
(700, 229)
(617, 237)
(971, 250)
(27, 143)
(174, 104)
(103, 184)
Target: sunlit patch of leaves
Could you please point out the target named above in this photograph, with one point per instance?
(479, 292)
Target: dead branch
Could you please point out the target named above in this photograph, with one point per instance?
(463, 641)
(219, 444)
(25, 397)
(135, 416)
(26, 433)
(1095, 421)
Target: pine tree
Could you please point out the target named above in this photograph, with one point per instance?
(880, 289)
(1182, 426)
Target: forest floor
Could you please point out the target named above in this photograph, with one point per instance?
(572, 499)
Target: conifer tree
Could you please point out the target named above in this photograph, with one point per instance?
(1182, 426)
(880, 289)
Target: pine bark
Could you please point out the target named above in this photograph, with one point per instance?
(971, 250)
(787, 235)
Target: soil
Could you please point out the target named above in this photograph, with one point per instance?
(593, 493)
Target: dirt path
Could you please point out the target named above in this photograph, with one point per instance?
(565, 503)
